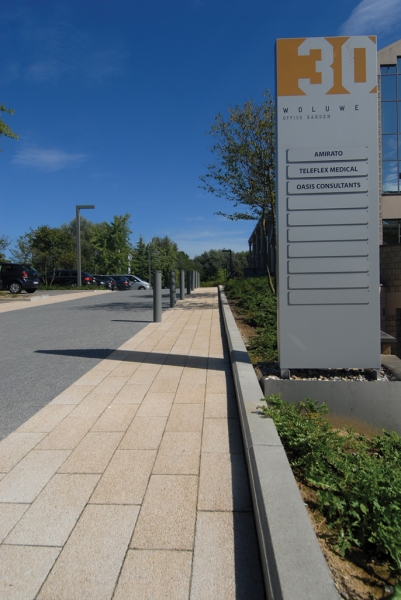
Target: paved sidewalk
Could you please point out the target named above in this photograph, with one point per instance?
(132, 483)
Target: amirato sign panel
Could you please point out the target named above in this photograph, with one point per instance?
(327, 203)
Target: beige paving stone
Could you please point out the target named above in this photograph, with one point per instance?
(156, 404)
(132, 393)
(219, 386)
(116, 417)
(144, 433)
(167, 384)
(111, 384)
(151, 574)
(73, 395)
(2, 475)
(14, 447)
(67, 435)
(125, 369)
(90, 562)
(52, 516)
(107, 365)
(10, 514)
(46, 418)
(226, 558)
(126, 478)
(143, 377)
(27, 479)
(93, 453)
(191, 375)
(92, 406)
(190, 393)
(222, 436)
(185, 417)
(23, 570)
(220, 406)
(167, 517)
(179, 454)
(223, 483)
(93, 377)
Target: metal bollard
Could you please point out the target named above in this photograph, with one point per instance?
(189, 283)
(173, 291)
(157, 297)
(182, 285)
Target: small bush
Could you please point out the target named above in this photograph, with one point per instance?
(357, 480)
(257, 305)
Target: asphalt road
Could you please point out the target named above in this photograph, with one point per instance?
(46, 349)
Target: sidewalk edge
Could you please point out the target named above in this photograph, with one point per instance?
(292, 561)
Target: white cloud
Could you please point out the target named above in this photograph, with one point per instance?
(46, 159)
(373, 17)
(195, 242)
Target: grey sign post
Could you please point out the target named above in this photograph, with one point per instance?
(157, 297)
(173, 291)
(188, 283)
(78, 227)
(182, 285)
(327, 204)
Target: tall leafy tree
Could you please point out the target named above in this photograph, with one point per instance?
(244, 166)
(4, 242)
(49, 245)
(139, 263)
(4, 128)
(111, 241)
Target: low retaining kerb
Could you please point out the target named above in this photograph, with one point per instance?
(293, 564)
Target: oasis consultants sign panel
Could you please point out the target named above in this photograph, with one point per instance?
(327, 203)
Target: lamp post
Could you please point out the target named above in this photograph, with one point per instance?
(78, 224)
(231, 259)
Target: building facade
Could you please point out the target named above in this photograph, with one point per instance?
(389, 69)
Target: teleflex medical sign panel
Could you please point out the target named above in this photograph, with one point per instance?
(327, 203)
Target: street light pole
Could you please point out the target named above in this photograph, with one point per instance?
(231, 259)
(78, 226)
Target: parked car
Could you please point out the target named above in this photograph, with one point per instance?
(18, 277)
(121, 281)
(105, 281)
(67, 277)
(137, 283)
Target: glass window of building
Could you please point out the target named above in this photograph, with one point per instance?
(392, 231)
(390, 85)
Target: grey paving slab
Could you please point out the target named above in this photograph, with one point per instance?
(10, 514)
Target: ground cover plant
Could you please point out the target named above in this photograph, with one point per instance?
(257, 306)
(356, 480)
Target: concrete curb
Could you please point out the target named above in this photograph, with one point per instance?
(293, 564)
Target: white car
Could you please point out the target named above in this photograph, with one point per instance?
(137, 283)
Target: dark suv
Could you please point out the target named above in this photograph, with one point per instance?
(67, 277)
(18, 277)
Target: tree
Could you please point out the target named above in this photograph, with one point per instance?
(213, 261)
(49, 244)
(112, 244)
(244, 170)
(139, 261)
(4, 128)
(4, 242)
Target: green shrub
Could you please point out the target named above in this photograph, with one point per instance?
(357, 480)
(257, 305)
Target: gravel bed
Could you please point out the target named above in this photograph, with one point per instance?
(272, 371)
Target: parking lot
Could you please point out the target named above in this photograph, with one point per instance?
(44, 349)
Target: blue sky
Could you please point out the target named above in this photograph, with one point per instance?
(113, 100)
